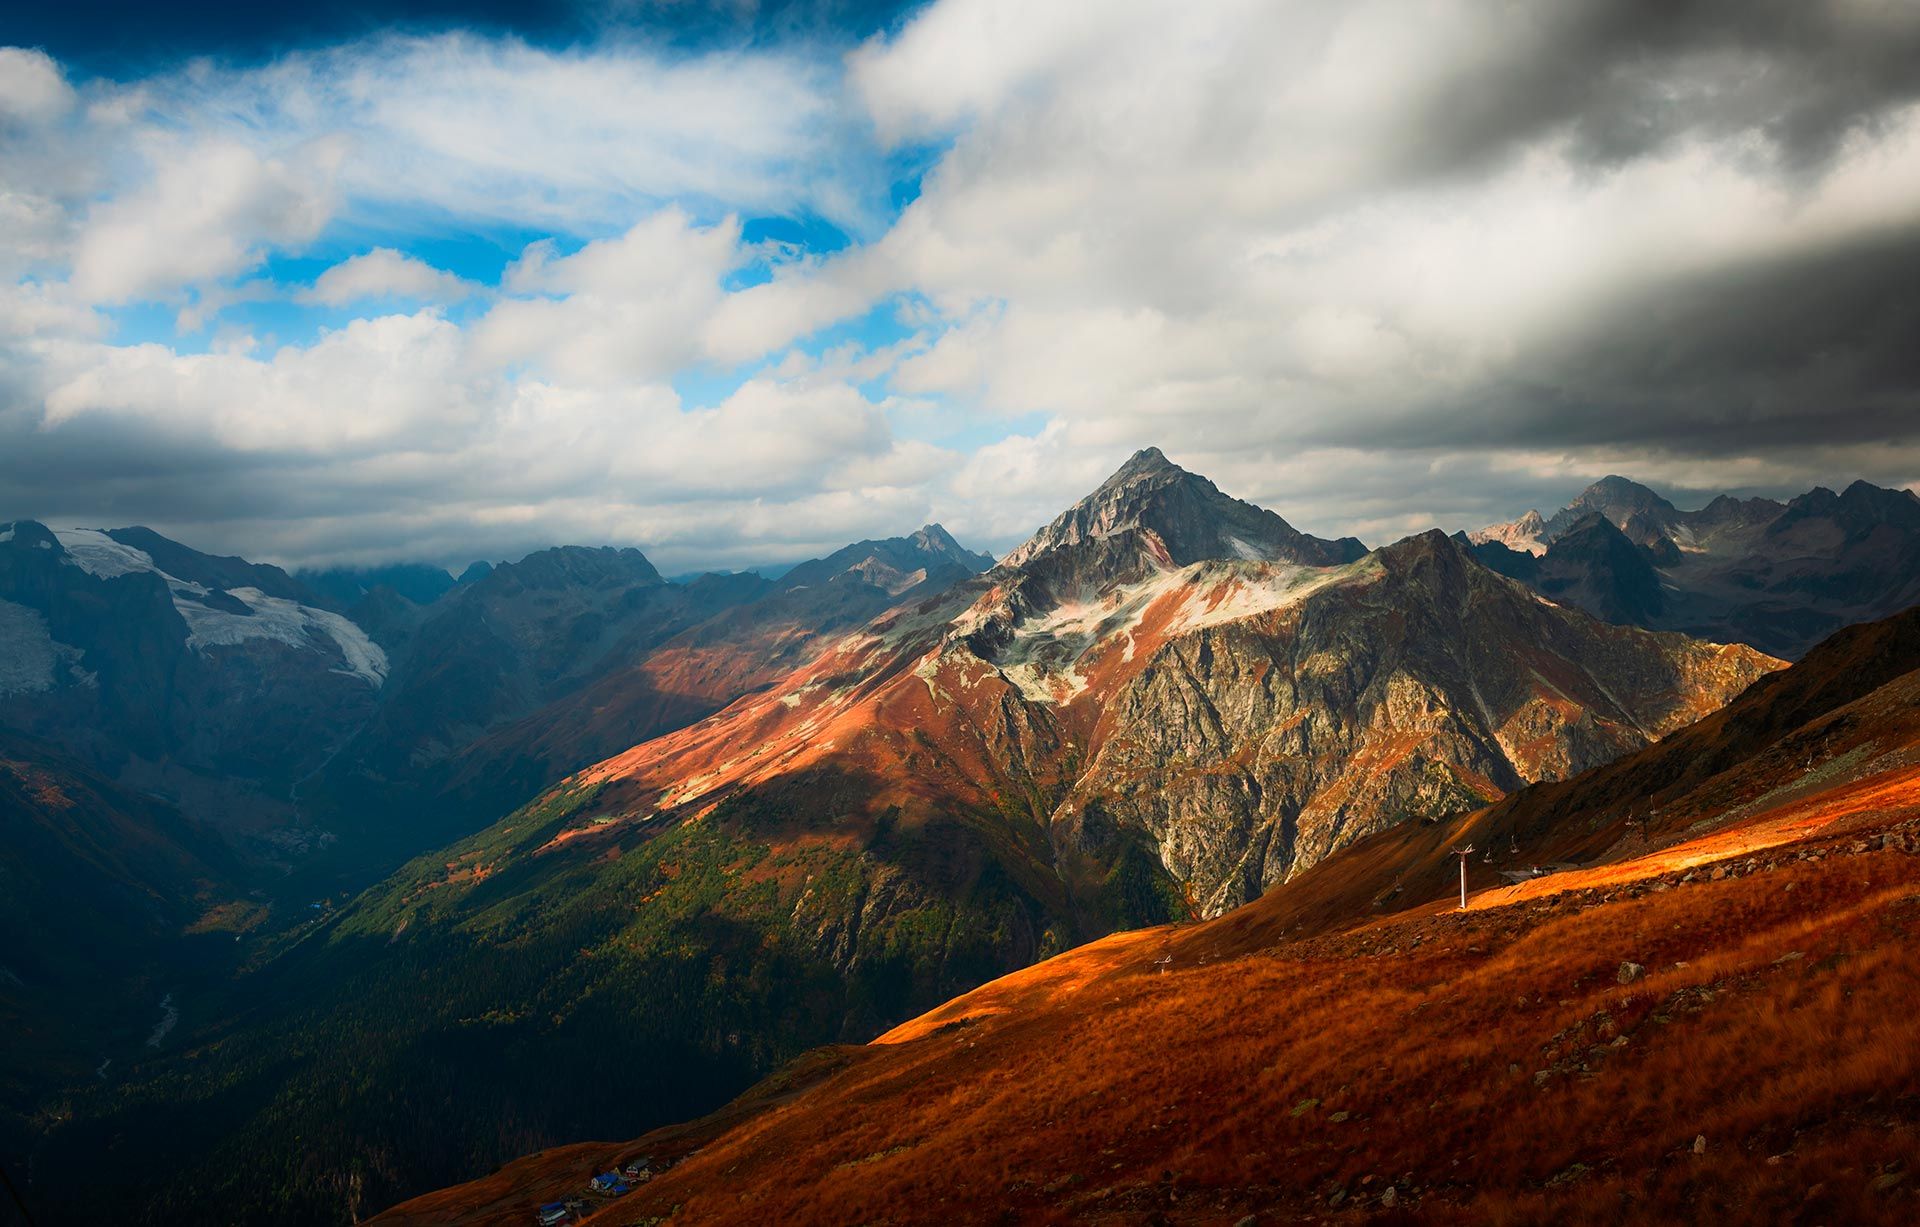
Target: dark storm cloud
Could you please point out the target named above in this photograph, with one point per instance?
(1765, 356)
(1626, 79)
(100, 467)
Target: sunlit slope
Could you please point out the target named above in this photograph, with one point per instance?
(1491, 1066)
(1351, 1032)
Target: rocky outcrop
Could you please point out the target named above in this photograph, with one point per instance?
(1420, 686)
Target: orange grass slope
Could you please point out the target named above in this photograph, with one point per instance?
(1761, 1065)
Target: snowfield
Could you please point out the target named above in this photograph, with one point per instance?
(288, 622)
(271, 617)
(98, 554)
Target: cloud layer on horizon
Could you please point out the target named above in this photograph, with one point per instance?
(1375, 268)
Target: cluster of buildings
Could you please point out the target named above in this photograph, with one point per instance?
(617, 1182)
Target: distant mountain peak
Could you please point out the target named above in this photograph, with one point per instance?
(562, 566)
(1865, 492)
(1527, 535)
(1591, 524)
(933, 536)
(934, 539)
(1777, 576)
(1618, 498)
(898, 564)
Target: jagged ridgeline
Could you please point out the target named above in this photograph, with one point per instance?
(1779, 576)
(1165, 703)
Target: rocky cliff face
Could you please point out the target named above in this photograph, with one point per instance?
(1777, 576)
(1418, 686)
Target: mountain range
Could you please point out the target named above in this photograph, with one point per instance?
(1778, 576)
(246, 692)
(561, 848)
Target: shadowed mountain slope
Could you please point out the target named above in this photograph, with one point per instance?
(538, 668)
(98, 891)
(1777, 576)
(217, 685)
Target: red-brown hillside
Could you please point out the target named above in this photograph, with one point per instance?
(1718, 1019)
(1486, 1067)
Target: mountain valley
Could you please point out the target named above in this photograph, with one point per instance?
(723, 822)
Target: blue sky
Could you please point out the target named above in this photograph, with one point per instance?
(739, 282)
(128, 38)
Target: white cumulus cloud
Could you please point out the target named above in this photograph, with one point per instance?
(384, 273)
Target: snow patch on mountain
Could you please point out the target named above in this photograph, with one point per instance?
(1248, 593)
(1044, 653)
(285, 621)
(100, 555)
(1243, 550)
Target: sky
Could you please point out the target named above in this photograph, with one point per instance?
(739, 282)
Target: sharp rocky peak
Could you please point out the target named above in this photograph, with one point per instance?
(1619, 498)
(935, 537)
(1158, 510)
(1145, 462)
